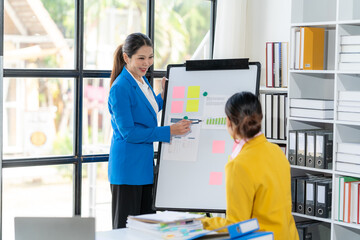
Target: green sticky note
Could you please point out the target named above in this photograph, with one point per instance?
(192, 106)
(193, 92)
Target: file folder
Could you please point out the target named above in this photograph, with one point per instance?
(313, 48)
(268, 115)
(269, 64)
(282, 116)
(301, 147)
(323, 149)
(275, 116)
(300, 194)
(293, 194)
(292, 147)
(236, 230)
(323, 199)
(310, 149)
(310, 198)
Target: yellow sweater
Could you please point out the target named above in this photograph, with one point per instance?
(258, 186)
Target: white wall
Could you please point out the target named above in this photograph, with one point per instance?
(267, 21)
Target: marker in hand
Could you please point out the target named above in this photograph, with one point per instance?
(197, 121)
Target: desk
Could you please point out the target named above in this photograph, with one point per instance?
(124, 234)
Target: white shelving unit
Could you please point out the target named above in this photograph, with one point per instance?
(338, 17)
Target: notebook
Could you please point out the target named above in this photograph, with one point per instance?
(54, 228)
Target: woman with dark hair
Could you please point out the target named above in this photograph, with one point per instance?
(133, 106)
(258, 182)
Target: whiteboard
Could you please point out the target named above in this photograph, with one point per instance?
(190, 170)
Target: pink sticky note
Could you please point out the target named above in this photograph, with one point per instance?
(178, 92)
(215, 178)
(177, 106)
(218, 147)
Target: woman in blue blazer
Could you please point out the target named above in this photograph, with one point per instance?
(133, 106)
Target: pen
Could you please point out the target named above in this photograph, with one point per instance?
(196, 121)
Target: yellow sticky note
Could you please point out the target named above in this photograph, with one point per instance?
(193, 92)
(192, 105)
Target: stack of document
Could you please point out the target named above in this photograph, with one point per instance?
(187, 226)
(349, 106)
(312, 108)
(168, 224)
(349, 52)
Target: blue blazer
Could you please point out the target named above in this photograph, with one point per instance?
(135, 128)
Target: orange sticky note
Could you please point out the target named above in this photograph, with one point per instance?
(215, 178)
(177, 106)
(218, 147)
(178, 92)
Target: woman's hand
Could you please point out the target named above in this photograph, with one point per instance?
(163, 82)
(180, 128)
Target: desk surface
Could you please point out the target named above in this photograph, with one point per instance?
(124, 234)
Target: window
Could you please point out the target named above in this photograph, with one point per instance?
(38, 117)
(106, 25)
(182, 31)
(39, 34)
(41, 191)
(57, 59)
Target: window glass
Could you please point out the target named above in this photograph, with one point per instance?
(42, 191)
(182, 31)
(96, 195)
(107, 23)
(97, 129)
(38, 117)
(39, 34)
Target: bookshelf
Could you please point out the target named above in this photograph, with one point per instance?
(339, 18)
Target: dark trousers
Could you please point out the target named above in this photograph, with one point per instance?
(130, 200)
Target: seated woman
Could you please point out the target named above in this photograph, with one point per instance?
(258, 182)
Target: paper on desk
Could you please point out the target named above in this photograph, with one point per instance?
(167, 217)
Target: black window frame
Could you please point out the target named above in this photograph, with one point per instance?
(78, 73)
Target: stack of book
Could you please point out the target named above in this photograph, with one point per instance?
(168, 224)
(276, 64)
(312, 108)
(349, 106)
(349, 58)
(347, 199)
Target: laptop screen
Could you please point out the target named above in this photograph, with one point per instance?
(54, 228)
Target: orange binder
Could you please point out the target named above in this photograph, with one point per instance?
(313, 48)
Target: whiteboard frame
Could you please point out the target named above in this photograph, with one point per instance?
(158, 159)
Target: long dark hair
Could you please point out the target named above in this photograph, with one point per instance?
(244, 112)
(131, 45)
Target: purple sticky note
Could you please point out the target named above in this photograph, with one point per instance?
(178, 92)
(215, 178)
(218, 147)
(177, 106)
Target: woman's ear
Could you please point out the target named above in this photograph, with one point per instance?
(228, 123)
(126, 58)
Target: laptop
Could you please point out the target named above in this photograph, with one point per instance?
(54, 228)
